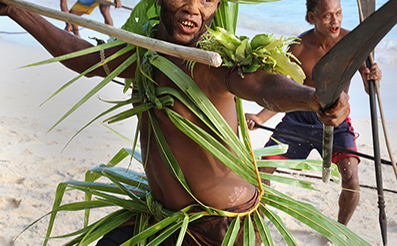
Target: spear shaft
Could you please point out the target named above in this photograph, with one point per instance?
(375, 135)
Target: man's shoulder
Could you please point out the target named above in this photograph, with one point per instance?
(304, 42)
(307, 34)
(306, 37)
(343, 32)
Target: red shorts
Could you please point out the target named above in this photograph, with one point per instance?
(307, 124)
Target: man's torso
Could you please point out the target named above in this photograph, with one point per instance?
(210, 181)
(309, 52)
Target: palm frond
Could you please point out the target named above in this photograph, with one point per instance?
(130, 190)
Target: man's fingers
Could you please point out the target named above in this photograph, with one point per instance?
(375, 73)
(338, 113)
(251, 125)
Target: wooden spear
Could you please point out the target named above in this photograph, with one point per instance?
(180, 51)
(375, 138)
(371, 60)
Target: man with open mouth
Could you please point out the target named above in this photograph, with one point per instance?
(210, 181)
(326, 16)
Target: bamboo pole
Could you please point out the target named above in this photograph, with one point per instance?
(180, 51)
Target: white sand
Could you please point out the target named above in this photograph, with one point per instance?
(32, 163)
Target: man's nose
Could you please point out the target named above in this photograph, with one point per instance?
(192, 7)
(335, 18)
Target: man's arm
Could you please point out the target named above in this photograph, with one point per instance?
(59, 42)
(259, 118)
(280, 94)
(65, 8)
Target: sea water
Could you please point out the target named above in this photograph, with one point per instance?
(286, 17)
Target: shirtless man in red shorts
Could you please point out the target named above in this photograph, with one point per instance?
(326, 16)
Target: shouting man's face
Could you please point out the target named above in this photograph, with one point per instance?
(184, 21)
(327, 18)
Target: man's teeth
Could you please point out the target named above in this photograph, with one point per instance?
(188, 23)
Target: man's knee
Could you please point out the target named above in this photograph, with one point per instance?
(351, 183)
(348, 168)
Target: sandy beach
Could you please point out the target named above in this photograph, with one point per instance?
(33, 164)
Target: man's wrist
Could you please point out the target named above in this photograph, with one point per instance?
(314, 102)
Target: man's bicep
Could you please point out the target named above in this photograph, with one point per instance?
(275, 92)
(251, 87)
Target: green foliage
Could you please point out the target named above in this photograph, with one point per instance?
(130, 192)
(264, 52)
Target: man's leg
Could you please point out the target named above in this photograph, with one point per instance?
(348, 200)
(75, 28)
(105, 11)
(79, 9)
(297, 123)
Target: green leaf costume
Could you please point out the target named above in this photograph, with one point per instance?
(130, 191)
